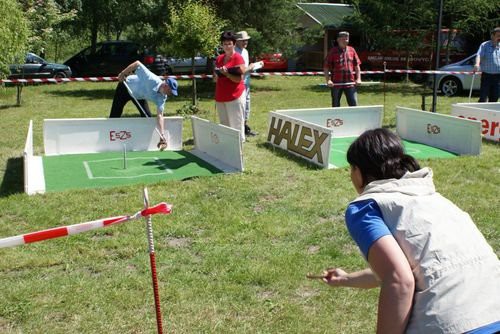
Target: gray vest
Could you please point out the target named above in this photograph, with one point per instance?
(457, 274)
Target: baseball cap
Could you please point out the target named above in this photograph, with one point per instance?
(343, 34)
(172, 83)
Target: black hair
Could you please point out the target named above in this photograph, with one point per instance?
(228, 36)
(379, 154)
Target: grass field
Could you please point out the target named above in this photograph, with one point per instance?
(233, 255)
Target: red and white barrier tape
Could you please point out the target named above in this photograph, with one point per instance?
(162, 208)
(209, 76)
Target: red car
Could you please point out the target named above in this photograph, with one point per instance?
(273, 62)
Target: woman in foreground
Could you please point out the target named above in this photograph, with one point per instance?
(435, 270)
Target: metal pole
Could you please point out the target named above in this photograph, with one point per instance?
(472, 85)
(385, 69)
(152, 260)
(438, 54)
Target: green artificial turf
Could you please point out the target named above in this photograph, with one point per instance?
(111, 169)
(339, 147)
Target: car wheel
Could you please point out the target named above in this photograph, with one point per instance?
(59, 75)
(450, 86)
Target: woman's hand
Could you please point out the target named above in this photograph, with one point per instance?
(335, 276)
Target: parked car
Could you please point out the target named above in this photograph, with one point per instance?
(35, 67)
(184, 65)
(273, 62)
(111, 57)
(453, 84)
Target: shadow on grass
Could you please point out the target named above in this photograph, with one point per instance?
(279, 152)
(390, 87)
(8, 106)
(12, 182)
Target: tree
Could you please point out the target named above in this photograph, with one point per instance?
(274, 22)
(44, 16)
(13, 34)
(194, 29)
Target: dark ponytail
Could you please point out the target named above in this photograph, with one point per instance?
(379, 154)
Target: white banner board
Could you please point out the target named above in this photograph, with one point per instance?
(217, 144)
(343, 121)
(487, 113)
(306, 140)
(453, 134)
(34, 180)
(91, 135)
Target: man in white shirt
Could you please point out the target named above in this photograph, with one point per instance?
(242, 38)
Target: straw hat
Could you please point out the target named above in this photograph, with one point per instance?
(242, 36)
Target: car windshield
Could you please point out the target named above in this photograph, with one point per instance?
(32, 58)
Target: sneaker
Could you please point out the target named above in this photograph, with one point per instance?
(249, 132)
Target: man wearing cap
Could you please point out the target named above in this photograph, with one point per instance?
(242, 38)
(143, 85)
(488, 60)
(342, 71)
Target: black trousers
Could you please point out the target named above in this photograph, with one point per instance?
(121, 98)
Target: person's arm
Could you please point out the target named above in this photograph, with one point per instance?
(233, 77)
(397, 285)
(477, 63)
(363, 279)
(357, 70)
(160, 123)
(326, 73)
(128, 70)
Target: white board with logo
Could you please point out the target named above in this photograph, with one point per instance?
(92, 135)
(487, 113)
(217, 144)
(453, 134)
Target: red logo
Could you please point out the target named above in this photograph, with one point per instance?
(433, 129)
(334, 123)
(214, 138)
(119, 135)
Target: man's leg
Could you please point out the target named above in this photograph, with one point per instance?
(248, 130)
(485, 87)
(145, 107)
(119, 100)
(352, 96)
(494, 88)
(336, 95)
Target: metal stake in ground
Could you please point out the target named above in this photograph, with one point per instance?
(152, 260)
(124, 156)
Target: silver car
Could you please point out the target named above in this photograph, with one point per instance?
(453, 84)
(183, 65)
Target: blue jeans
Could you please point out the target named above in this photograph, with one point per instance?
(490, 87)
(350, 94)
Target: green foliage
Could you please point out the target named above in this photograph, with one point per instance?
(194, 29)
(44, 17)
(274, 21)
(13, 34)
(379, 20)
(189, 109)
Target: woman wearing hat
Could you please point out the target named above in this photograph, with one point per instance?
(229, 85)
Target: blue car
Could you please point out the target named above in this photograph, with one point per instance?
(35, 67)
